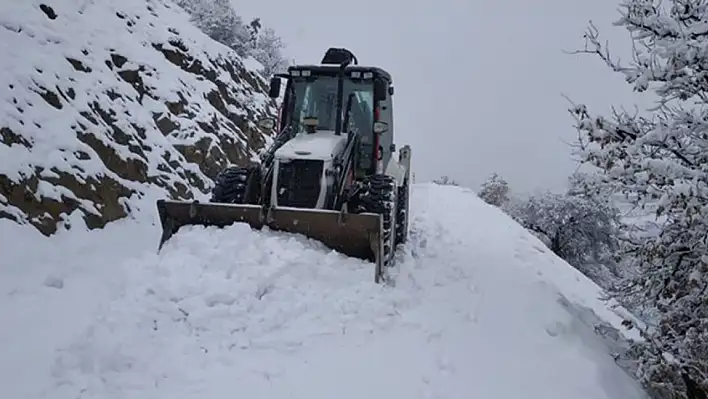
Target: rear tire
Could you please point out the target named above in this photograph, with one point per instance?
(402, 213)
(378, 195)
(236, 185)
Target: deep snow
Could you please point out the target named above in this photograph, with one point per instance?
(480, 309)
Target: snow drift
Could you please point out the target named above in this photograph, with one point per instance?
(480, 309)
(103, 102)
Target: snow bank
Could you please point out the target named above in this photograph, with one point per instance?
(103, 103)
(480, 309)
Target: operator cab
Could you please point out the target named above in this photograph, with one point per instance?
(311, 104)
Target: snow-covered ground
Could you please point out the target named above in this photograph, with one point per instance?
(480, 309)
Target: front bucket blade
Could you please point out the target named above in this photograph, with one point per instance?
(355, 235)
(349, 234)
(175, 214)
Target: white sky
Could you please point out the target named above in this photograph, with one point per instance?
(479, 84)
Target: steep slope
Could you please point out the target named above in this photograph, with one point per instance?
(106, 102)
(480, 309)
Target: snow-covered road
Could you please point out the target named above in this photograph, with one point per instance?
(480, 309)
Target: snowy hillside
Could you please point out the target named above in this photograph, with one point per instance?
(103, 102)
(480, 309)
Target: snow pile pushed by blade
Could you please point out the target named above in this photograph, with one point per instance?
(106, 102)
(479, 309)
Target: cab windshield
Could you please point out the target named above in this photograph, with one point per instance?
(317, 97)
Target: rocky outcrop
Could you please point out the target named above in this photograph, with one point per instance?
(104, 102)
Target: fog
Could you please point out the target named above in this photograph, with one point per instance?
(479, 84)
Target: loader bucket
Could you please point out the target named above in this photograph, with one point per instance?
(355, 235)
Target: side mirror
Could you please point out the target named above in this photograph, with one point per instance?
(380, 127)
(380, 89)
(274, 90)
(266, 123)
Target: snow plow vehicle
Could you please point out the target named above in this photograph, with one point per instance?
(332, 173)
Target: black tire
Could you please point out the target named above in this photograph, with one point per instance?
(378, 195)
(402, 213)
(236, 185)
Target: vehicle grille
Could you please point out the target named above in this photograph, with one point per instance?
(299, 183)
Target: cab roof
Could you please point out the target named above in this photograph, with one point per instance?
(334, 68)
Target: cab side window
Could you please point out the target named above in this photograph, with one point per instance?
(356, 123)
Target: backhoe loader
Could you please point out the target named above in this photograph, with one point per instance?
(332, 173)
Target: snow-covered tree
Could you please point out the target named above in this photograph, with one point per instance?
(663, 156)
(219, 20)
(581, 230)
(590, 185)
(267, 48)
(494, 191)
(446, 181)
(254, 28)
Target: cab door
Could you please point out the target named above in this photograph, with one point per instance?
(385, 105)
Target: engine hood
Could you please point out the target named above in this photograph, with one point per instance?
(323, 145)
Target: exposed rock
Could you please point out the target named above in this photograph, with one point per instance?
(48, 11)
(144, 107)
